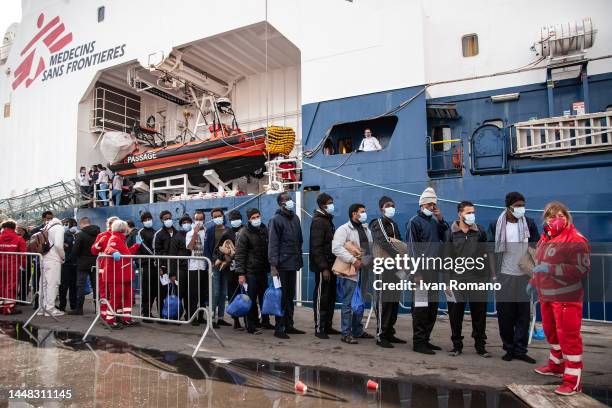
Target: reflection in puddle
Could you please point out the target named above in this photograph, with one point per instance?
(111, 373)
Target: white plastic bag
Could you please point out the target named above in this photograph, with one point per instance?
(115, 146)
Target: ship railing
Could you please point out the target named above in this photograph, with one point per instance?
(444, 156)
(283, 174)
(111, 111)
(102, 196)
(565, 135)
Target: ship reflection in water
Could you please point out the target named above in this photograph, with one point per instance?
(108, 373)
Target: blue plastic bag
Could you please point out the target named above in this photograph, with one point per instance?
(240, 306)
(272, 302)
(357, 303)
(171, 308)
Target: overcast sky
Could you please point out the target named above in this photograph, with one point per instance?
(10, 12)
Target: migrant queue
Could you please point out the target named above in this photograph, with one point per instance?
(246, 256)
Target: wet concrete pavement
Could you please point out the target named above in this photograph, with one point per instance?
(399, 366)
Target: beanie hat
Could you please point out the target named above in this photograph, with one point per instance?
(252, 211)
(428, 196)
(323, 198)
(235, 215)
(384, 200)
(513, 197)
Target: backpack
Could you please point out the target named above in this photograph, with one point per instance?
(39, 242)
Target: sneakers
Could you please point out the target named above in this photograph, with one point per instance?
(281, 335)
(508, 356)
(483, 353)
(525, 358)
(322, 335)
(567, 389)
(255, 331)
(349, 339)
(57, 312)
(548, 370)
(393, 339)
(454, 352)
(384, 343)
(293, 330)
(423, 350)
(432, 347)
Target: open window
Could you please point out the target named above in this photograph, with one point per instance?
(351, 137)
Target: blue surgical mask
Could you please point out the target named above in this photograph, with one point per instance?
(427, 212)
(186, 226)
(256, 222)
(148, 223)
(236, 223)
(518, 212)
(363, 217)
(389, 212)
(74, 230)
(65, 228)
(289, 204)
(218, 220)
(329, 208)
(168, 223)
(469, 219)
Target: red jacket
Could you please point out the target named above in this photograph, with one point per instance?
(100, 243)
(11, 242)
(121, 270)
(568, 257)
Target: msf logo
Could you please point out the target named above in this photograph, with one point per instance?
(50, 39)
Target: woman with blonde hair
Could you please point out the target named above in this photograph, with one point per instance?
(562, 261)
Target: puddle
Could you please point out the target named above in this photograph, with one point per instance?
(107, 372)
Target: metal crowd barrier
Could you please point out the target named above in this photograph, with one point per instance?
(20, 280)
(118, 297)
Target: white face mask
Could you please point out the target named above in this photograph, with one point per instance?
(469, 219)
(363, 217)
(518, 212)
(329, 208)
(199, 223)
(289, 204)
(256, 222)
(148, 223)
(186, 226)
(218, 220)
(389, 212)
(427, 212)
(168, 223)
(236, 223)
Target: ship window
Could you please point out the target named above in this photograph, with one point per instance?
(101, 11)
(7, 110)
(497, 122)
(347, 137)
(469, 44)
(440, 133)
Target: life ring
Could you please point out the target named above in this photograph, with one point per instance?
(457, 157)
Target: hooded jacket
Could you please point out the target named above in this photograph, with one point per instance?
(55, 233)
(285, 241)
(321, 236)
(252, 251)
(83, 241)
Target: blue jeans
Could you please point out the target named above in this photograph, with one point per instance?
(103, 195)
(350, 322)
(219, 281)
(117, 197)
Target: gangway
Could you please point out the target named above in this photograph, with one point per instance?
(59, 197)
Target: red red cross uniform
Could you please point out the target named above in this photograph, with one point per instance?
(98, 248)
(9, 268)
(561, 294)
(118, 276)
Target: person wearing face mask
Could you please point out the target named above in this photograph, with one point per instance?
(195, 240)
(357, 232)
(285, 255)
(252, 267)
(467, 240)
(424, 234)
(68, 280)
(161, 246)
(98, 247)
(562, 262)
(512, 233)
(84, 183)
(227, 259)
(387, 303)
(83, 241)
(148, 269)
(214, 233)
(187, 288)
(321, 260)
